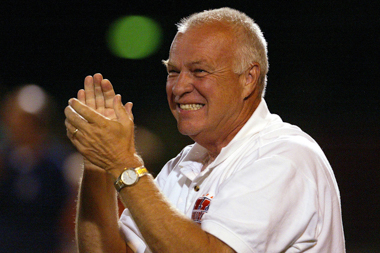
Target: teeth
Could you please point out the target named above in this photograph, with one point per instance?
(191, 107)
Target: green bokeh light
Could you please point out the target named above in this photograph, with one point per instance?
(134, 37)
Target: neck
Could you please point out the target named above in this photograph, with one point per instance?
(214, 142)
(206, 161)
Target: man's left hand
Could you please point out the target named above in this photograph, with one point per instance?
(106, 143)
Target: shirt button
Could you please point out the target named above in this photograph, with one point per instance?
(196, 188)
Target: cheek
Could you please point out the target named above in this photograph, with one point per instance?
(169, 91)
(225, 100)
(169, 96)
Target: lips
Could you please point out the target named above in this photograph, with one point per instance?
(191, 107)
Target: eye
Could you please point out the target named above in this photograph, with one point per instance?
(200, 72)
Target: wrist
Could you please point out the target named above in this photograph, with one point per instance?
(117, 169)
(130, 177)
(89, 166)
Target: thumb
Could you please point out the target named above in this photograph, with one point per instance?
(120, 111)
(128, 107)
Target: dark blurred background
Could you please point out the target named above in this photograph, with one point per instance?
(323, 77)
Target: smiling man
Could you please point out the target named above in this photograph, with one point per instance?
(249, 183)
(208, 96)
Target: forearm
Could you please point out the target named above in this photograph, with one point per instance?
(97, 214)
(110, 145)
(162, 226)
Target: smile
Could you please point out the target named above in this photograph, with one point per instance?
(191, 107)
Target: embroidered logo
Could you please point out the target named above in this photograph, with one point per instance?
(201, 207)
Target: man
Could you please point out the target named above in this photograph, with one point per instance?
(250, 183)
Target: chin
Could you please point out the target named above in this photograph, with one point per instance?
(187, 129)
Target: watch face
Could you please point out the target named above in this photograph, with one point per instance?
(129, 177)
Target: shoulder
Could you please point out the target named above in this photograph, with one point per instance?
(281, 148)
(288, 141)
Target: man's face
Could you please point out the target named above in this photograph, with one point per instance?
(204, 93)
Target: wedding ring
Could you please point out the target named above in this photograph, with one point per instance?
(75, 132)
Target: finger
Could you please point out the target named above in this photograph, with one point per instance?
(128, 107)
(80, 114)
(108, 93)
(82, 96)
(73, 119)
(71, 131)
(122, 113)
(99, 97)
(89, 92)
(69, 127)
(73, 134)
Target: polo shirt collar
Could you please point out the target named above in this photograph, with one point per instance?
(257, 122)
(260, 118)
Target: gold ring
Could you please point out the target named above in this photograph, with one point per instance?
(75, 132)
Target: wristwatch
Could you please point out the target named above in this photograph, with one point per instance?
(130, 176)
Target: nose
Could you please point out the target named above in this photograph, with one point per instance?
(183, 84)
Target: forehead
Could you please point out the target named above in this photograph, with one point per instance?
(205, 43)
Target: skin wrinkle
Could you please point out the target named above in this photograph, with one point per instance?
(229, 100)
(216, 85)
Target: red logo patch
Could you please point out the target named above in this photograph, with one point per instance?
(201, 207)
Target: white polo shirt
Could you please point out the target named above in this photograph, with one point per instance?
(271, 189)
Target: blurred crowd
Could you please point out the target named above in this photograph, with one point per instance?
(39, 172)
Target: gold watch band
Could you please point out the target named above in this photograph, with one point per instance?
(120, 183)
(141, 171)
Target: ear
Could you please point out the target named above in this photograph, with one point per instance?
(251, 79)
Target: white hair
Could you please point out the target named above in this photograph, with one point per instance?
(252, 46)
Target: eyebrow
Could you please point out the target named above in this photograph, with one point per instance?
(198, 62)
(167, 63)
(205, 64)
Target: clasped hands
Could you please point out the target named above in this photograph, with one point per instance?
(105, 135)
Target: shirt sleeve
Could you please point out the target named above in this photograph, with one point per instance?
(265, 207)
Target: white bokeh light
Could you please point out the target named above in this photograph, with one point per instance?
(31, 98)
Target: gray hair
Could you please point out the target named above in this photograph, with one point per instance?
(252, 44)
